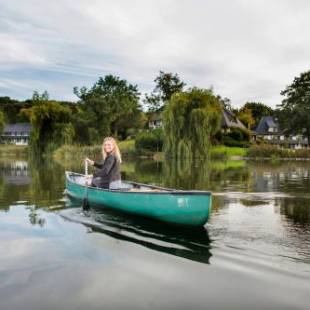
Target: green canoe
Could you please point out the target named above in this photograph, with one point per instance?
(168, 205)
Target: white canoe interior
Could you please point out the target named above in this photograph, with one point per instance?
(126, 186)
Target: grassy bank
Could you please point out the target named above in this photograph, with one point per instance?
(76, 153)
(9, 150)
(226, 152)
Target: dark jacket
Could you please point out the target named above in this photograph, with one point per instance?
(108, 170)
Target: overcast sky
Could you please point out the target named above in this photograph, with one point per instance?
(247, 50)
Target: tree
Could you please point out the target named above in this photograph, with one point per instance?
(258, 110)
(190, 119)
(246, 117)
(167, 84)
(225, 102)
(11, 109)
(63, 133)
(106, 103)
(47, 118)
(295, 108)
(131, 124)
(36, 96)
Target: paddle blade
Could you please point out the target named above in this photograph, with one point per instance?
(85, 204)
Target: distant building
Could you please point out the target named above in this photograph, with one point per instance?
(155, 120)
(17, 134)
(229, 121)
(268, 130)
(295, 142)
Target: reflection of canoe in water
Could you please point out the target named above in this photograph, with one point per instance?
(191, 243)
(167, 205)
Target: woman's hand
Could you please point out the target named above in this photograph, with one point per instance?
(91, 162)
(88, 179)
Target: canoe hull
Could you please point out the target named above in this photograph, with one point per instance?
(177, 207)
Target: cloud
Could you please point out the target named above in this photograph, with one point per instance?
(247, 50)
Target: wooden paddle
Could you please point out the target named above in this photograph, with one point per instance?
(85, 200)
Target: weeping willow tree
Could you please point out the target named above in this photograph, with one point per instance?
(190, 119)
(50, 124)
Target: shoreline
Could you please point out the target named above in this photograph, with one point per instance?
(67, 152)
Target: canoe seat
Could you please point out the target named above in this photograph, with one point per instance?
(145, 190)
(137, 190)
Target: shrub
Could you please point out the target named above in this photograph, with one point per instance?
(235, 134)
(272, 151)
(302, 153)
(131, 133)
(150, 140)
(263, 150)
(235, 137)
(239, 134)
(228, 141)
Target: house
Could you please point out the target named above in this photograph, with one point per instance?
(295, 142)
(229, 121)
(155, 120)
(17, 134)
(268, 130)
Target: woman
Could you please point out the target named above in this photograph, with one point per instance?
(108, 173)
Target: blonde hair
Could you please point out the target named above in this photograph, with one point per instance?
(116, 152)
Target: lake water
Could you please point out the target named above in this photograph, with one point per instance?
(254, 253)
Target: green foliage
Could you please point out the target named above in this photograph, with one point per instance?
(225, 102)
(235, 137)
(150, 140)
(167, 84)
(105, 107)
(224, 152)
(129, 125)
(295, 113)
(63, 133)
(258, 110)
(273, 152)
(110, 106)
(246, 117)
(229, 141)
(11, 109)
(36, 96)
(127, 147)
(239, 134)
(48, 118)
(235, 134)
(190, 118)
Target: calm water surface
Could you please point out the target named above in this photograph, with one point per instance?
(254, 253)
